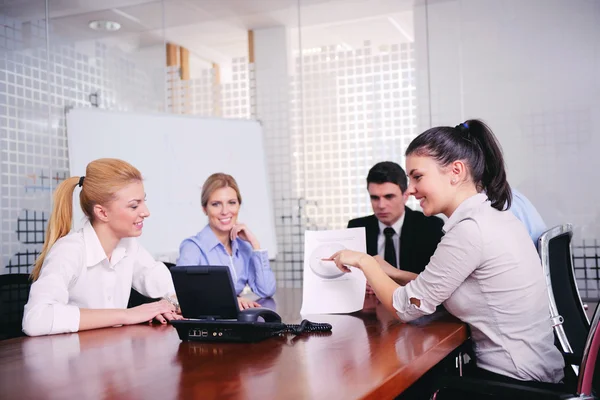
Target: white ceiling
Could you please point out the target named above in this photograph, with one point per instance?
(216, 30)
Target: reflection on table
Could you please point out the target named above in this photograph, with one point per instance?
(368, 354)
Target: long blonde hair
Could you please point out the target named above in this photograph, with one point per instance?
(103, 179)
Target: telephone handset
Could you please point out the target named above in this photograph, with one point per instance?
(270, 316)
(252, 315)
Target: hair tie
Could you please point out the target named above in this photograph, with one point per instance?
(463, 128)
(80, 184)
(463, 131)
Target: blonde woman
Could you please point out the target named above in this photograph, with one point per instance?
(225, 241)
(82, 280)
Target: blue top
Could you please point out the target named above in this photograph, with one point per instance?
(245, 264)
(525, 211)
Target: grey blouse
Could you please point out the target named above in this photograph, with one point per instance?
(487, 273)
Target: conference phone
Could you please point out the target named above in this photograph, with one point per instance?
(208, 302)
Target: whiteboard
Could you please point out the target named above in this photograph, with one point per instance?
(175, 155)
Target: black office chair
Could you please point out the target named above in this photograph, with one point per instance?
(137, 299)
(587, 386)
(571, 325)
(14, 292)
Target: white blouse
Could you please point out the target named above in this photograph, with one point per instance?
(488, 274)
(77, 274)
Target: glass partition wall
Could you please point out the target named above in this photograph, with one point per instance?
(338, 86)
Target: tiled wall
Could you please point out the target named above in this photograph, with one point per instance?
(206, 95)
(36, 88)
(358, 108)
(586, 261)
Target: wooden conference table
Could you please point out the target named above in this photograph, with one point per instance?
(369, 354)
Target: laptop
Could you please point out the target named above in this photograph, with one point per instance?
(208, 300)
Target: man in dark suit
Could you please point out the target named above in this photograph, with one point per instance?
(404, 238)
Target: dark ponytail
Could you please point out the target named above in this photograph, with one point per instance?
(475, 143)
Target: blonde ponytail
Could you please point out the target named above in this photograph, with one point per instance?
(59, 223)
(103, 179)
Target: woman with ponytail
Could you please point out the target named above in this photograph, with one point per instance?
(485, 270)
(82, 280)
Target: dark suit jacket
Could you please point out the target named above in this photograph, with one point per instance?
(419, 238)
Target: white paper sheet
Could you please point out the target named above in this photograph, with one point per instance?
(327, 290)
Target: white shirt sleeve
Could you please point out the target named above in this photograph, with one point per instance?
(456, 257)
(150, 277)
(47, 311)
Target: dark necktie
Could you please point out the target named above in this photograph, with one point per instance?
(390, 252)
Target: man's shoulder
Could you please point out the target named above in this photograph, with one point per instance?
(419, 218)
(362, 221)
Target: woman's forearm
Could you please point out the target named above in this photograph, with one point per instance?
(380, 282)
(402, 277)
(262, 280)
(93, 319)
(399, 276)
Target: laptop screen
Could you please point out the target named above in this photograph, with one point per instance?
(205, 292)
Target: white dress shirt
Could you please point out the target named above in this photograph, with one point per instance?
(395, 239)
(487, 273)
(77, 274)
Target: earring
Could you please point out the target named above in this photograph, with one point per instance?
(453, 180)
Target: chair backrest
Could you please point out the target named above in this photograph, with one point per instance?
(568, 315)
(14, 293)
(137, 299)
(589, 372)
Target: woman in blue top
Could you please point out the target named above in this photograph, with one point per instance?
(224, 241)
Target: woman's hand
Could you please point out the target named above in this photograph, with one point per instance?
(242, 231)
(345, 258)
(159, 310)
(163, 318)
(369, 290)
(245, 304)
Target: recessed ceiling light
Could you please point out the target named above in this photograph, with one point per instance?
(102, 25)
